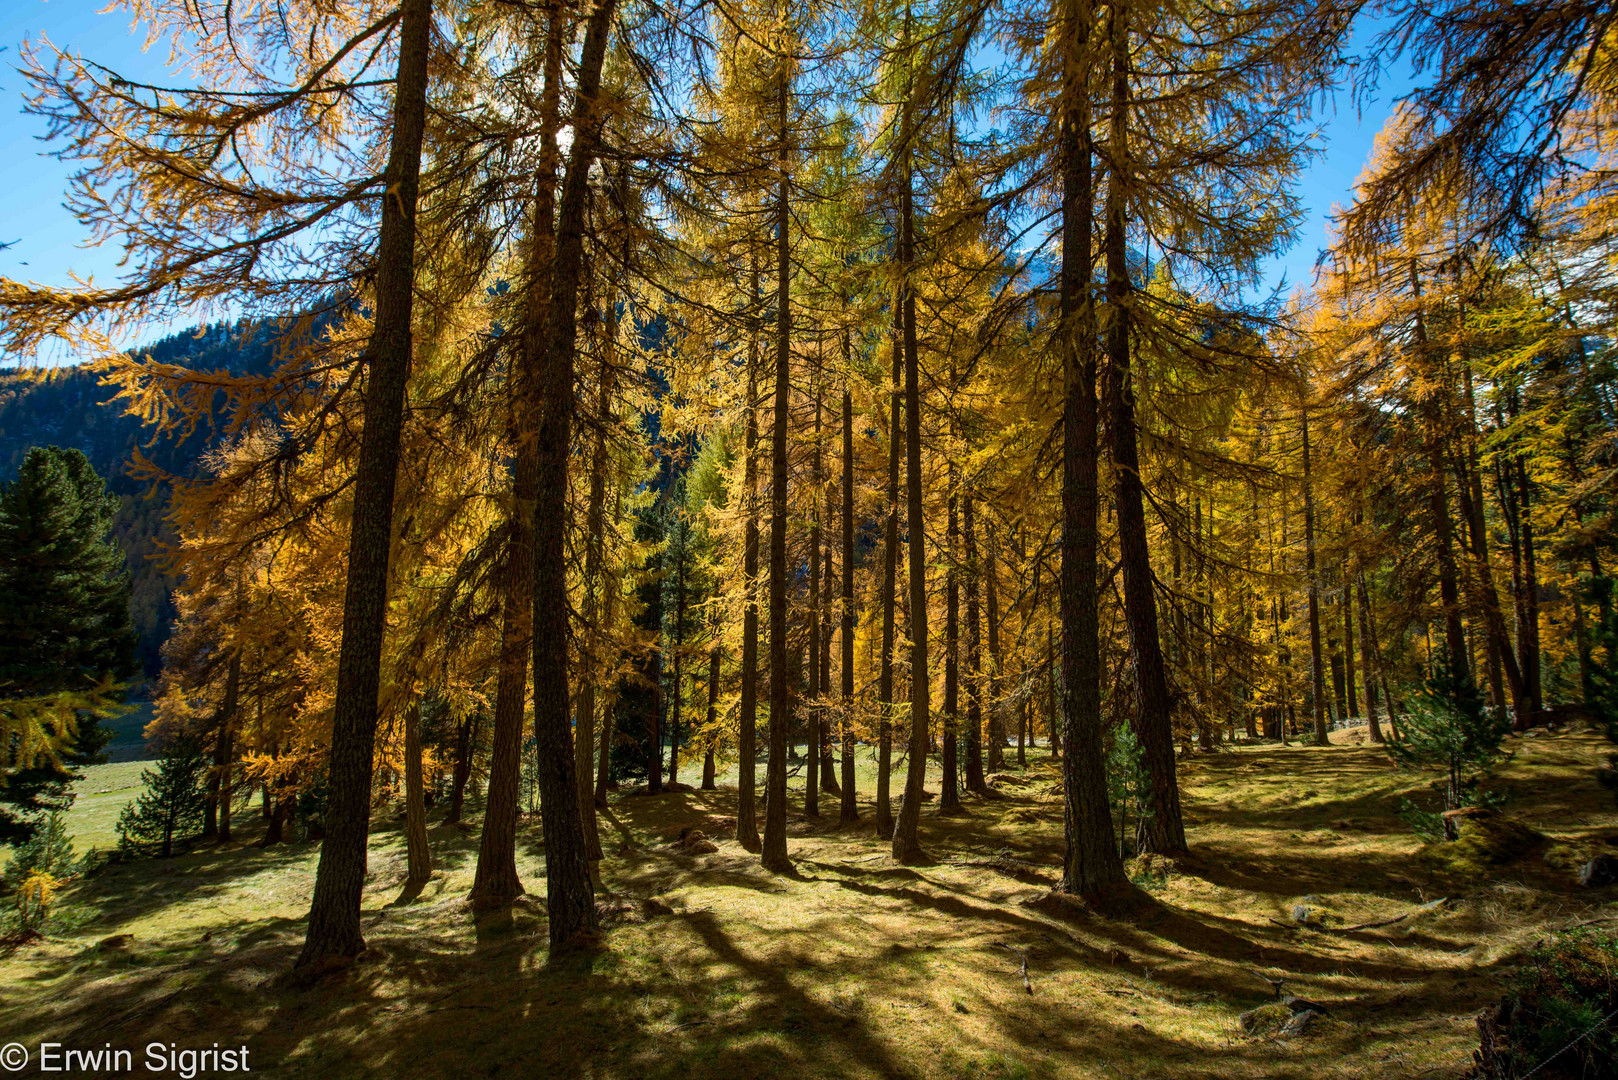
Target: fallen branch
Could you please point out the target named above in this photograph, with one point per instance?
(693, 1023)
(1397, 918)
(1024, 958)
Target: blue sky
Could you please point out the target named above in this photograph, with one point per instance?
(48, 242)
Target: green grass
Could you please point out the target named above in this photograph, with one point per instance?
(851, 966)
(98, 800)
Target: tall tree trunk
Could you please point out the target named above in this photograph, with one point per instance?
(224, 759)
(1090, 860)
(775, 801)
(334, 913)
(609, 615)
(811, 771)
(991, 585)
(595, 557)
(418, 853)
(465, 737)
(1165, 832)
(950, 796)
(1317, 673)
(1348, 646)
(1053, 711)
(746, 744)
(1438, 501)
(712, 718)
(1528, 631)
(828, 770)
(496, 880)
(905, 844)
(975, 782)
(890, 590)
(849, 811)
(569, 890)
(1369, 663)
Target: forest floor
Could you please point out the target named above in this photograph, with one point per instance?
(854, 966)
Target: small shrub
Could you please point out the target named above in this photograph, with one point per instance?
(49, 850)
(1561, 995)
(34, 899)
(1129, 788)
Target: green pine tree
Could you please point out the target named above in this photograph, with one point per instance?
(170, 810)
(65, 632)
(1448, 729)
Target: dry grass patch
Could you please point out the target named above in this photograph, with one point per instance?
(854, 966)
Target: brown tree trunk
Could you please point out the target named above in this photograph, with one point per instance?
(774, 856)
(597, 627)
(1438, 501)
(1348, 647)
(1165, 832)
(334, 913)
(419, 854)
(849, 811)
(991, 585)
(464, 737)
(496, 880)
(712, 718)
(975, 782)
(828, 771)
(1317, 674)
(1528, 631)
(217, 823)
(747, 747)
(609, 613)
(1091, 860)
(569, 891)
(890, 591)
(950, 796)
(811, 770)
(1369, 663)
(906, 847)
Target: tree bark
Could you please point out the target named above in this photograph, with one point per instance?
(849, 811)
(334, 913)
(418, 853)
(496, 880)
(906, 847)
(712, 718)
(464, 734)
(569, 890)
(1369, 662)
(950, 796)
(1090, 861)
(224, 758)
(774, 856)
(890, 591)
(991, 587)
(811, 771)
(975, 782)
(828, 770)
(1165, 833)
(1317, 674)
(747, 748)
(609, 614)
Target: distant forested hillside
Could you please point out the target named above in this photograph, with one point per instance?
(68, 406)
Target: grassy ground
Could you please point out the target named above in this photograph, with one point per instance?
(854, 966)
